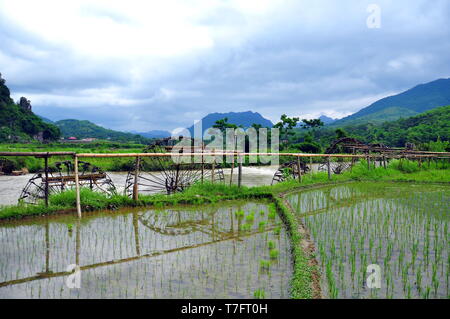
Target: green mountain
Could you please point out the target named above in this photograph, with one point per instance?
(420, 129)
(86, 129)
(419, 99)
(246, 119)
(326, 120)
(18, 123)
(153, 134)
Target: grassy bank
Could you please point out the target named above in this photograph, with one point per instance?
(108, 164)
(399, 171)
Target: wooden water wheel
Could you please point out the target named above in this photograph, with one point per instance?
(61, 177)
(162, 174)
(289, 170)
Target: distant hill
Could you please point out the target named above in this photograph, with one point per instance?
(87, 129)
(246, 119)
(419, 129)
(153, 134)
(45, 120)
(326, 120)
(425, 127)
(18, 123)
(419, 99)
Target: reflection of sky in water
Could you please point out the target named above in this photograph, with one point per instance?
(146, 254)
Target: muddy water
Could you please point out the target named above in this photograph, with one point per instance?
(201, 252)
(402, 229)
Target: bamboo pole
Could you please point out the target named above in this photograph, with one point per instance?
(213, 166)
(77, 186)
(136, 179)
(203, 163)
(353, 159)
(240, 171)
(328, 167)
(231, 173)
(46, 180)
(299, 170)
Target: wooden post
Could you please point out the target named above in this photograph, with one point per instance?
(384, 161)
(232, 163)
(46, 180)
(329, 167)
(368, 160)
(240, 171)
(203, 162)
(213, 167)
(77, 186)
(136, 179)
(232, 169)
(353, 160)
(310, 166)
(299, 167)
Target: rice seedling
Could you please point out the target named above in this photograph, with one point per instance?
(264, 265)
(239, 214)
(274, 253)
(259, 294)
(250, 217)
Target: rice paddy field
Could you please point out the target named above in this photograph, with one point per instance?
(402, 229)
(232, 250)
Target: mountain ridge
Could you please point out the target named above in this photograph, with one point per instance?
(86, 129)
(246, 119)
(420, 98)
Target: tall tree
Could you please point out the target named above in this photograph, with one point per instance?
(286, 125)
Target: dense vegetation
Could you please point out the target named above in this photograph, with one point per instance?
(87, 129)
(20, 125)
(397, 170)
(108, 164)
(419, 99)
(430, 131)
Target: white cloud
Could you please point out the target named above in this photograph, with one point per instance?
(162, 64)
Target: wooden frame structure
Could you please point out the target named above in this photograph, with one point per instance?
(409, 154)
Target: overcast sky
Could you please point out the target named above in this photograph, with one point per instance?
(143, 65)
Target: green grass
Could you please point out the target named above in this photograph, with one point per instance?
(212, 193)
(107, 164)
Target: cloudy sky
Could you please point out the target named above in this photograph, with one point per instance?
(143, 65)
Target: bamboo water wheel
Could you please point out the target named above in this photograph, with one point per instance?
(61, 177)
(288, 171)
(161, 174)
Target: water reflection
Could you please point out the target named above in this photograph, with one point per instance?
(173, 253)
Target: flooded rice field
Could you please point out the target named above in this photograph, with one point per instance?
(376, 240)
(232, 250)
